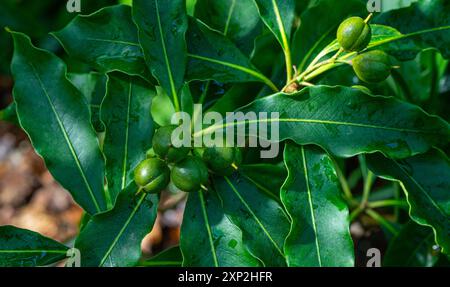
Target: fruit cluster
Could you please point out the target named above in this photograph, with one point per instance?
(187, 168)
(354, 35)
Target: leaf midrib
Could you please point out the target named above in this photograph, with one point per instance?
(122, 230)
(258, 221)
(230, 13)
(66, 137)
(313, 216)
(208, 228)
(311, 121)
(420, 187)
(251, 72)
(166, 58)
(127, 128)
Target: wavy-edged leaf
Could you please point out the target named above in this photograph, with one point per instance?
(236, 19)
(212, 56)
(125, 113)
(425, 179)
(263, 222)
(206, 225)
(162, 26)
(319, 234)
(171, 257)
(412, 247)
(25, 248)
(106, 39)
(355, 121)
(428, 15)
(56, 117)
(313, 35)
(114, 238)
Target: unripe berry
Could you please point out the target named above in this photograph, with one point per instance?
(354, 34)
(152, 175)
(373, 66)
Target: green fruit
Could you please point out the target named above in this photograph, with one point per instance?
(189, 174)
(152, 175)
(222, 159)
(354, 34)
(163, 147)
(372, 67)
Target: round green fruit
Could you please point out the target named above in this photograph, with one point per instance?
(152, 175)
(222, 160)
(354, 34)
(163, 147)
(372, 67)
(189, 174)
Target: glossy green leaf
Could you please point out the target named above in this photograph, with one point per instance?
(236, 19)
(206, 225)
(106, 39)
(425, 179)
(114, 238)
(162, 108)
(267, 177)
(423, 15)
(412, 247)
(93, 87)
(56, 117)
(162, 26)
(313, 35)
(25, 248)
(355, 121)
(187, 102)
(319, 234)
(278, 15)
(125, 113)
(171, 257)
(212, 56)
(263, 222)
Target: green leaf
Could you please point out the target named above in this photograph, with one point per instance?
(425, 179)
(236, 19)
(420, 16)
(93, 87)
(162, 26)
(212, 56)
(263, 222)
(319, 234)
(114, 238)
(162, 108)
(206, 225)
(25, 248)
(56, 117)
(313, 35)
(171, 257)
(9, 114)
(187, 102)
(278, 15)
(107, 40)
(267, 177)
(355, 121)
(125, 113)
(412, 247)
